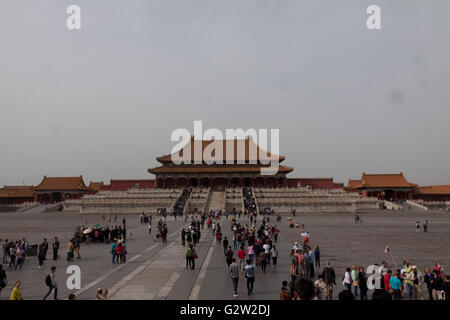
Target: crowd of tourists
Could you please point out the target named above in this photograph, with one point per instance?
(161, 234)
(14, 253)
(51, 284)
(98, 234)
(249, 201)
(190, 237)
(254, 246)
(405, 283)
(145, 218)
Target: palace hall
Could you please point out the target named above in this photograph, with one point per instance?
(242, 168)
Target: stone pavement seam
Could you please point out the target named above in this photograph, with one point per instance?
(200, 277)
(90, 285)
(119, 285)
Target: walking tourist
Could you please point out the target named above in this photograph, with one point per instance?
(41, 255)
(50, 281)
(234, 274)
(20, 254)
(329, 277)
(16, 294)
(274, 255)
(250, 275)
(55, 247)
(362, 283)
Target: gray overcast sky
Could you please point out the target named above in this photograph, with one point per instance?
(103, 101)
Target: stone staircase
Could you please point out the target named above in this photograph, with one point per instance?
(180, 205)
(249, 199)
(216, 201)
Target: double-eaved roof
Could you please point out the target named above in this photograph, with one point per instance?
(244, 156)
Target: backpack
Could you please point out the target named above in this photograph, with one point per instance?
(48, 280)
(307, 259)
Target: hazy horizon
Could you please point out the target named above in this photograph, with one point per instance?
(102, 101)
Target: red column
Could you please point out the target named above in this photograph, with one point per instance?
(229, 182)
(164, 183)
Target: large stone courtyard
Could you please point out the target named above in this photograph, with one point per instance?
(156, 271)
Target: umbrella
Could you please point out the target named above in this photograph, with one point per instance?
(97, 225)
(305, 234)
(289, 218)
(87, 231)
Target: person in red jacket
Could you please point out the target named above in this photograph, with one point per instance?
(120, 251)
(241, 255)
(387, 281)
(438, 269)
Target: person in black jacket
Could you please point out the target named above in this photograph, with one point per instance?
(427, 279)
(225, 245)
(362, 283)
(2, 278)
(183, 237)
(229, 256)
(329, 277)
(55, 248)
(446, 287)
(436, 284)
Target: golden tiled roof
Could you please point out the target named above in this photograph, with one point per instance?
(96, 186)
(396, 180)
(248, 144)
(62, 183)
(354, 184)
(439, 189)
(17, 192)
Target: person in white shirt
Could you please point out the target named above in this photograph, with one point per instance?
(382, 271)
(347, 279)
(319, 287)
(274, 255)
(266, 248)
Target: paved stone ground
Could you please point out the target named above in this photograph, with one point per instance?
(155, 271)
(95, 263)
